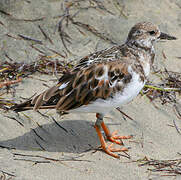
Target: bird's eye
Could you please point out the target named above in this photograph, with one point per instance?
(152, 32)
(138, 32)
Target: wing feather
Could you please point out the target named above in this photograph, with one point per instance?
(39, 101)
(101, 80)
(87, 85)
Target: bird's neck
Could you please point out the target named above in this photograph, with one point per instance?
(144, 55)
(141, 45)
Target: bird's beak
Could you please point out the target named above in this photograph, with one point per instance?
(166, 36)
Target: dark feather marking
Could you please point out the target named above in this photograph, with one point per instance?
(81, 90)
(84, 60)
(94, 83)
(127, 78)
(67, 89)
(61, 105)
(60, 102)
(78, 81)
(114, 79)
(121, 76)
(106, 93)
(119, 88)
(117, 71)
(21, 107)
(142, 77)
(88, 98)
(99, 71)
(74, 105)
(98, 92)
(111, 74)
(106, 85)
(83, 95)
(66, 78)
(68, 105)
(90, 75)
(53, 100)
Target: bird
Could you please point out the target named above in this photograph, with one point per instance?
(104, 80)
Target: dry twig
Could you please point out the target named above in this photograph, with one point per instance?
(171, 167)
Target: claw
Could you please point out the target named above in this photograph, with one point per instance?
(114, 137)
(109, 149)
(112, 149)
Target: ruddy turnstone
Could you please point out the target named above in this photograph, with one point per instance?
(103, 81)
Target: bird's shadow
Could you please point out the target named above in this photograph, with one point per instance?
(73, 136)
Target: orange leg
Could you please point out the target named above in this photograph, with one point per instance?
(113, 137)
(108, 149)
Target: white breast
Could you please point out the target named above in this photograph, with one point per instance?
(130, 91)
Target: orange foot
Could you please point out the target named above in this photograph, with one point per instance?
(109, 149)
(114, 137)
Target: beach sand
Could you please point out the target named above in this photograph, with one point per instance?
(68, 150)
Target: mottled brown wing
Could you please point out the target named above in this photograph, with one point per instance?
(46, 100)
(83, 87)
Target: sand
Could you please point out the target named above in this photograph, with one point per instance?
(71, 147)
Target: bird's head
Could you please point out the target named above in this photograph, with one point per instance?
(145, 34)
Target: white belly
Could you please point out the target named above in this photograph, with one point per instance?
(120, 98)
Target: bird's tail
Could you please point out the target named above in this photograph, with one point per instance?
(22, 107)
(46, 100)
(29, 106)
